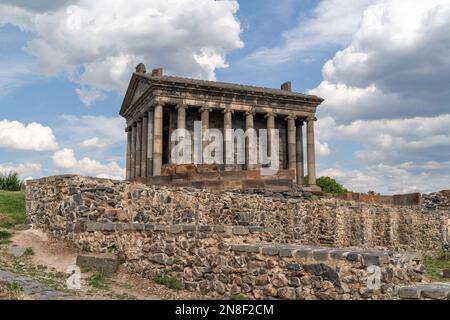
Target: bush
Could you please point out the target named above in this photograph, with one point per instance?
(10, 182)
(329, 185)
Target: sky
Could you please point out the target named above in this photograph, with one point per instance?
(382, 66)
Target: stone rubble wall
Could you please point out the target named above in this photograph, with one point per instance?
(232, 243)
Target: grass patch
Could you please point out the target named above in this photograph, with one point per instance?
(238, 296)
(14, 290)
(168, 281)
(4, 237)
(29, 251)
(99, 281)
(12, 208)
(435, 266)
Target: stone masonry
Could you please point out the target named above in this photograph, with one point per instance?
(288, 245)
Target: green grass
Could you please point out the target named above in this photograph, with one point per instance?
(435, 266)
(15, 290)
(4, 237)
(99, 281)
(238, 296)
(12, 208)
(168, 281)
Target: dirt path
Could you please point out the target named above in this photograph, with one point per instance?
(45, 263)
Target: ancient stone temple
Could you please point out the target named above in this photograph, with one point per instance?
(155, 105)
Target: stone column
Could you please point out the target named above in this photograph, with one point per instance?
(205, 126)
(158, 140)
(270, 126)
(150, 144)
(311, 151)
(300, 165)
(181, 122)
(181, 118)
(144, 141)
(172, 128)
(129, 136)
(133, 151)
(248, 146)
(138, 148)
(292, 145)
(227, 125)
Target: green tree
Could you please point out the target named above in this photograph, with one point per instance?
(10, 181)
(329, 185)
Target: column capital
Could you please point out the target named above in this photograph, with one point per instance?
(182, 106)
(270, 114)
(134, 124)
(290, 117)
(158, 104)
(228, 110)
(251, 112)
(311, 119)
(205, 109)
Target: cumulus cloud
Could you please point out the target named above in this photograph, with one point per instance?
(23, 169)
(98, 43)
(387, 91)
(34, 136)
(388, 179)
(332, 22)
(82, 128)
(66, 160)
(93, 143)
(396, 66)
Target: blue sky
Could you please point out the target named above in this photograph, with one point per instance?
(383, 67)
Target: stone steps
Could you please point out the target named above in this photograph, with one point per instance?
(428, 291)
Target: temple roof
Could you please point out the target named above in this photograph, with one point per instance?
(156, 78)
(228, 86)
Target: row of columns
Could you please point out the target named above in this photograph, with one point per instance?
(145, 141)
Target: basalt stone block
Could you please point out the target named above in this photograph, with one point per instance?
(104, 263)
(320, 255)
(435, 293)
(204, 228)
(377, 259)
(409, 293)
(253, 249)
(255, 229)
(188, 227)
(303, 253)
(286, 252)
(353, 256)
(238, 248)
(238, 230)
(270, 251)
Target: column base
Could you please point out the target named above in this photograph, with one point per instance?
(310, 188)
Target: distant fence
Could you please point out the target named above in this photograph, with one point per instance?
(411, 199)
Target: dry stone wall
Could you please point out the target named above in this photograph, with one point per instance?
(258, 244)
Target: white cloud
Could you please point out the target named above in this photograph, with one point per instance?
(90, 95)
(388, 179)
(23, 169)
(65, 159)
(388, 92)
(322, 149)
(93, 143)
(97, 44)
(34, 136)
(81, 128)
(332, 22)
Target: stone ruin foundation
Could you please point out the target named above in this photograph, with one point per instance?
(261, 244)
